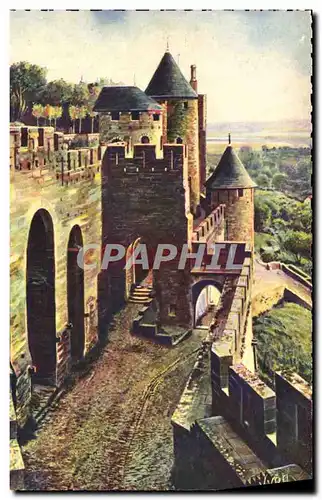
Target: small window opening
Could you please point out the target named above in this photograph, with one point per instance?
(156, 117)
(135, 115)
(115, 115)
(172, 310)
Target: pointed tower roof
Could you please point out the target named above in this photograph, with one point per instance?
(168, 81)
(125, 99)
(230, 173)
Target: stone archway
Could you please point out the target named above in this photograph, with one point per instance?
(41, 310)
(75, 294)
(136, 274)
(205, 297)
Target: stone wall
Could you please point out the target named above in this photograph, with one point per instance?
(69, 197)
(145, 197)
(239, 214)
(202, 115)
(131, 131)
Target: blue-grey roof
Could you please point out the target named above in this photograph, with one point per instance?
(229, 173)
(125, 99)
(168, 82)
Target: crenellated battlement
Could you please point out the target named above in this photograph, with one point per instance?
(143, 158)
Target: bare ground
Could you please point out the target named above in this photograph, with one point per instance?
(112, 430)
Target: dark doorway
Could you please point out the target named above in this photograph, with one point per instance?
(75, 294)
(41, 309)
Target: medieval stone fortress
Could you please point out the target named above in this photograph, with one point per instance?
(145, 181)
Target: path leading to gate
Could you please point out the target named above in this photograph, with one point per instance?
(112, 430)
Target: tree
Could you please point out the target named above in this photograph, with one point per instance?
(82, 112)
(299, 243)
(80, 94)
(57, 92)
(38, 112)
(279, 181)
(262, 215)
(263, 180)
(73, 113)
(26, 84)
(94, 91)
(49, 113)
(56, 113)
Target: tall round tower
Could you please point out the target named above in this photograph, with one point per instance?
(169, 88)
(231, 184)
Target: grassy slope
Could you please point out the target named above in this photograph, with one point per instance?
(284, 340)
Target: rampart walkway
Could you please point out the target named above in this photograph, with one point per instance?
(112, 429)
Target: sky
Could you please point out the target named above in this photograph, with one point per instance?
(253, 66)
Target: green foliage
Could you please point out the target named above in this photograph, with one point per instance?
(262, 215)
(80, 94)
(57, 92)
(26, 85)
(299, 243)
(263, 180)
(284, 337)
(177, 122)
(287, 225)
(279, 181)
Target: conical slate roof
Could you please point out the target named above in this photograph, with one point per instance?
(125, 99)
(230, 173)
(168, 81)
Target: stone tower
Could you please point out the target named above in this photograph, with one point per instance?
(230, 184)
(126, 114)
(169, 88)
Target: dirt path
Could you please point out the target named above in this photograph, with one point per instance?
(112, 430)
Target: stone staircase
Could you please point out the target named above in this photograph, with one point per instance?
(141, 294)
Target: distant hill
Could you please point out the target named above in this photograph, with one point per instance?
(260, 127)
(293, 133)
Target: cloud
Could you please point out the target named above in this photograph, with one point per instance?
(242, 66)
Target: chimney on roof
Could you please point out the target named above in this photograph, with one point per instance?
(193, 79)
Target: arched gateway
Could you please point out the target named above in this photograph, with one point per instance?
(75, 294)
(41, 312)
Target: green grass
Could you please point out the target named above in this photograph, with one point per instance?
(284, 337)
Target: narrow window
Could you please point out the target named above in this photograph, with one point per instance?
(185, 105)
(240, 193)
(24, 137)
(40, 137)
(156, 117)
(135, 115)
(115, 115)
(172, 310)
(179, 140)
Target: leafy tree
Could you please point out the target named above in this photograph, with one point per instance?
(74, 114)
(49, 113)
(263, 180)
(80, 94)
(56, 113)
(262, 215)
(26, 84)
(299, 243)
(82, 112)
(279, 181)
(57, 92)
(38, 112)
(94, 91)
